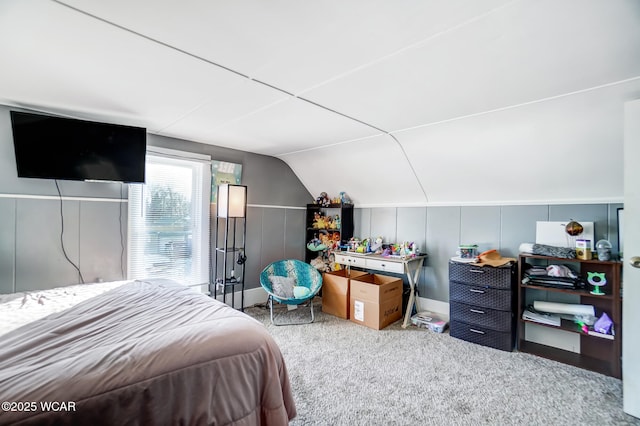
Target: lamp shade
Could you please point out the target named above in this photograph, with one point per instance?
(232, 200)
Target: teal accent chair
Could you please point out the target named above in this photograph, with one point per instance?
(291, 282)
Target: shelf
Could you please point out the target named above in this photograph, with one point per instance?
(330, 206)
(229, 284)
(564, 259)
(597, 353)
(567, 357)
(229, 249)
(228, 259)
(342, 233)
(578, 292)
(566, 325)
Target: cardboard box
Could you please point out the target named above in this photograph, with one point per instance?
(375, 300)
(335, 291)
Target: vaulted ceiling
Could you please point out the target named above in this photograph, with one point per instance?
(416, 102)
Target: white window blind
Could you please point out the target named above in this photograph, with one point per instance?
(169, 221)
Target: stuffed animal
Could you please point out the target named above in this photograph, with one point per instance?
(323, 200)
(377, 245)
(319, 221)
(336, 221)
(344, 198)
(329, 223)
(319, 264)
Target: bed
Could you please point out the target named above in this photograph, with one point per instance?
(139, 352)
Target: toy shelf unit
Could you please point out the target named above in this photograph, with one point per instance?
(593, 351)
(229, 259)
(327, 227)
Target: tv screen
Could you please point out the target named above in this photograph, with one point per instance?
(50, 147)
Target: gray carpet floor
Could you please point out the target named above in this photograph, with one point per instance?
(343, 373)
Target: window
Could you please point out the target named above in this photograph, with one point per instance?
(169, 219)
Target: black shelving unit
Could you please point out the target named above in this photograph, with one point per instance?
(229, 258)
(345, 212)
(228, 272)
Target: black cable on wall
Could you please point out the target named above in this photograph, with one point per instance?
(64, 251)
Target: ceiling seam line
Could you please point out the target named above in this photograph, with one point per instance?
(249, 78)
(149, 38)
(342, 114)
(192, 55)
(315, 148)
(182, 116)
(404, 153)
(228, 122)
(413, 170)
(506, 108)
(416, 45)
(177, 49)
(271, 86)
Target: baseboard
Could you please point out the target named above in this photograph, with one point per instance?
(435, 306)
(257, 295)
(252, 297)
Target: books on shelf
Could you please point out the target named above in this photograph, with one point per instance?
(530, 314)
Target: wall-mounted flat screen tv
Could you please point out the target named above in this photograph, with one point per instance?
(49, 147)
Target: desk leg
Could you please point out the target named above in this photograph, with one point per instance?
(413, 277)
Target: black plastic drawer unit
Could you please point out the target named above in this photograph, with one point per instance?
(482, 304)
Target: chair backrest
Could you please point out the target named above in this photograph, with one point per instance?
(304, 274)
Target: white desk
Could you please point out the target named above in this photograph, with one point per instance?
(411, 266)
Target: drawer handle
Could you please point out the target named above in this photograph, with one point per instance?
(473, 330)
(473, 290)
(476, 311)
(477, 271)
(382, 265)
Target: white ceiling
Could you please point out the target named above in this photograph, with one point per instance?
(418, 102)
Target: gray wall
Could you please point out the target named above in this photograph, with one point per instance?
(275, 217)
(31, 255)
(439, 231)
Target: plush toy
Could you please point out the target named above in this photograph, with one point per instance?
(319, 264)
(316, 244)
(377, 244)
(319, 221)
(344, 198)
(323, 200)
(354, 243)
(329, 223)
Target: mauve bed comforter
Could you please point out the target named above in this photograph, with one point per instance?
(148, 352)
